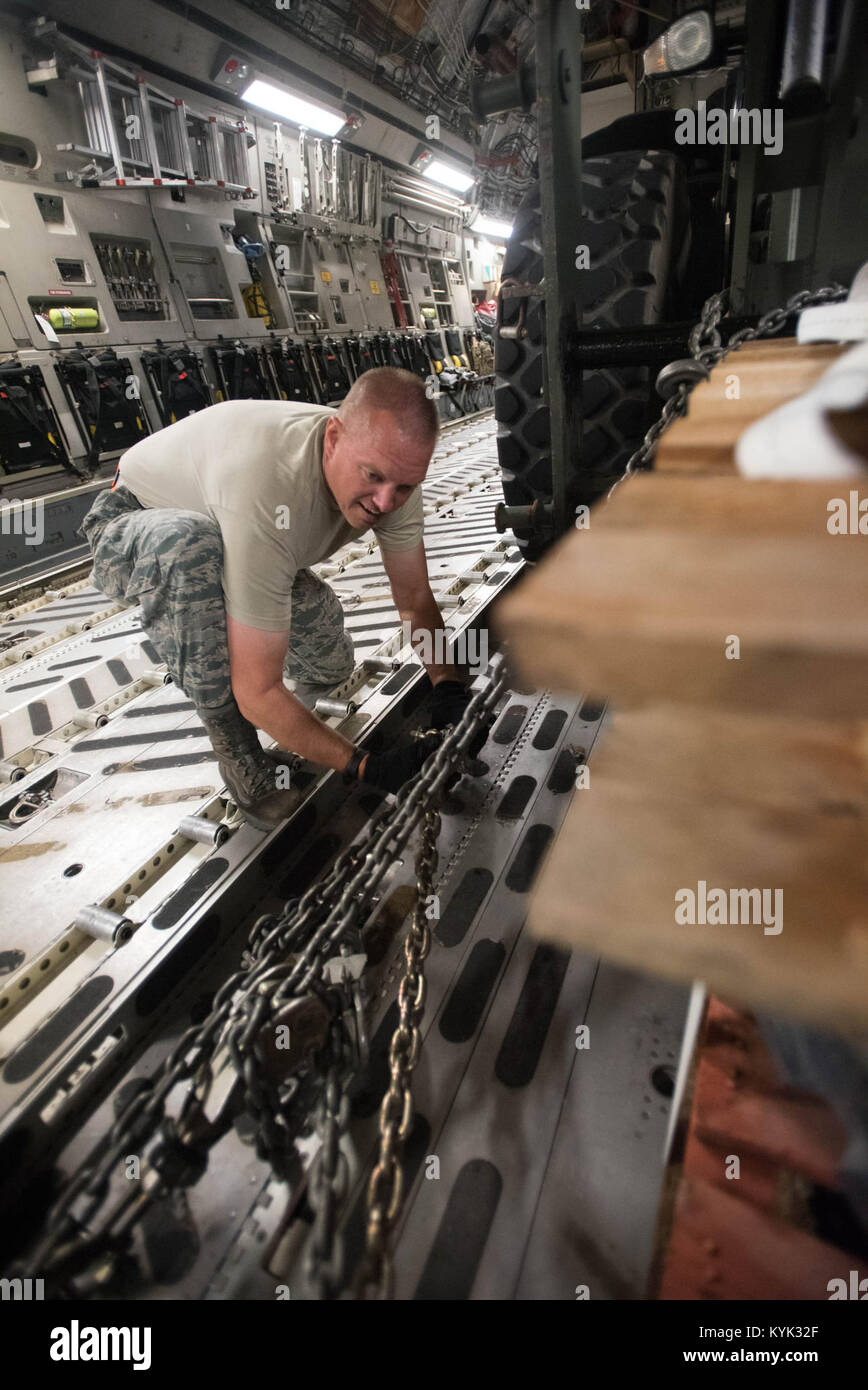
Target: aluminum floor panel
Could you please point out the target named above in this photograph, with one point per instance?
(550, 1157)
(91, 820)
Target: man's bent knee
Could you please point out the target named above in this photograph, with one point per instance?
(189, 552)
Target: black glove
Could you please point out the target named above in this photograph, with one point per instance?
(389, 771)
(448, 703)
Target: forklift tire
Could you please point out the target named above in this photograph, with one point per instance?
(636, 227)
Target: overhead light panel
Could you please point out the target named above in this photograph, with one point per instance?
(232, 69)
(351, 126)
(439, 172)
(293, 108)
(487, 226)
(421, 158)
(685, 45)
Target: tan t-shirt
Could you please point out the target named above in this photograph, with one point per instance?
(255, 467)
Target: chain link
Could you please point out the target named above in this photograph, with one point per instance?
(386, 1185)
(299, 960)
(331, 1174)
(707, 347)
(283, 967)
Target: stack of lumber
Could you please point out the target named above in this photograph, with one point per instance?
(723, 833)
(728, 625)
(747, 384)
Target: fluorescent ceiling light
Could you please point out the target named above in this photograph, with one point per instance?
(292, 108)
(487, 226)
(686, 44)
(443, 173)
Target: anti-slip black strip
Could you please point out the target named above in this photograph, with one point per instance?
(169, 1240)
(454, 1257)
(508, 725)
(466, 1003)
(310, 864)
(382, 626)
(288, 839)
(190, 892)
(417, 1147)
(369, 610)
(31, 685)
(547, 734)
(563, 773)
(158, 764)
(432, 551)
(372, 566)
(20, 622)
(523, 1042)
(62, 1023)
(40, 719)
(517, 796)
(369, 1086)
(65, 665)
(120, 671)
(463, 906)
(81, 693)
(158, 710)
(591, 710)
(524, 866)
(178, 965)
(69, 610)
(151, 652)
(110, 636)
(148, 736)
(398, 680)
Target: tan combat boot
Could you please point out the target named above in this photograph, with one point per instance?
(250, 773)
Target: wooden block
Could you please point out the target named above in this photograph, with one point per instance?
(730, 508)
(724, 1248)
(641, 606)
(737, 1080)
(730, 1058)
(742, 1105)
(759, 1179)
(678, 800)
(766, 375)
(799, 1133)
(741, 1108)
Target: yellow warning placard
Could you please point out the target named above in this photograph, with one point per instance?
(375, 286)
(325, 276)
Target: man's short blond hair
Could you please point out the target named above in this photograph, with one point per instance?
(400, 393)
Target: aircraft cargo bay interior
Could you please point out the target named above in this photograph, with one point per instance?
(433, 773)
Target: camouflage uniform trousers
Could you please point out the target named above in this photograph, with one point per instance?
(170, 562)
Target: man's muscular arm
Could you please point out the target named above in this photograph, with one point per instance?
(256, 664)
(407, 571)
